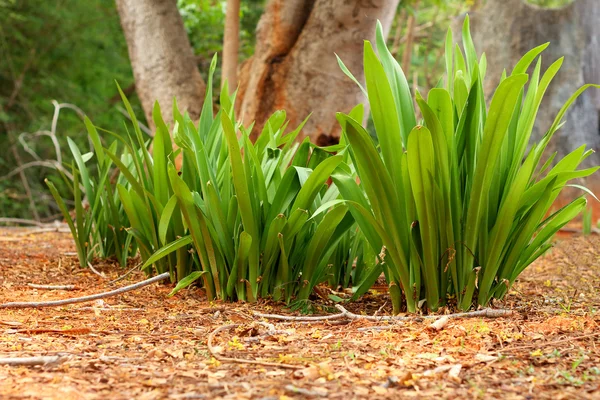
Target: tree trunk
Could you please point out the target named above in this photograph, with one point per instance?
(294, 66)
(231, 44)
(410, 36)
(506, 30)
(163, 61)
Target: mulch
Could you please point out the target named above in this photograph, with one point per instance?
(146, 345)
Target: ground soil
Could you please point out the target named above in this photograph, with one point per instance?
(146, 345)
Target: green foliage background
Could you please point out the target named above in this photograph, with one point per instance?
(71, 51)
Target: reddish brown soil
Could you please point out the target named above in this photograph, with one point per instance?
(146, 345)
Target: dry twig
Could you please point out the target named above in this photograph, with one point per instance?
(83, 299)
(487, 312)
(298, 318)
(21, 221)
(42, 360)
(37, 231)
(51, 287)
(439, 323)
(216, 355)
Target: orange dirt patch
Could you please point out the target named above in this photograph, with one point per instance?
(146, 345)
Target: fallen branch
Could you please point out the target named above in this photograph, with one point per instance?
(487, 312)
(21, 221)
(69, 332)
(440, 323)
(216, 355)
(42, 360)
(51, 287)
(38, 231)
(299, 318)
(83, 299)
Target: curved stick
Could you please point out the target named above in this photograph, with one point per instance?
(84, 299)
(487, 312)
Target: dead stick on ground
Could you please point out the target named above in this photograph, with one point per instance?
(42, 230)
(214, 353)
(51, 287)
(42, 360)
(299, 318)
(488, 312)
(22, 221)
(439, 323)
(86, 298)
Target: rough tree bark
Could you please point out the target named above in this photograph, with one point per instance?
(231, 45)
(163, 61)
(294, 66)
(507, 29)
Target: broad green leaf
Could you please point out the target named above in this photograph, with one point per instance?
(187, 281)
(166, 250)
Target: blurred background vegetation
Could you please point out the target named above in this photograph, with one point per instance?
(74, 51)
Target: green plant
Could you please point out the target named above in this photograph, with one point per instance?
(586, 219)
(456, 202)
(248, 219)
(33, 71)
(254, 213)
(98, 223)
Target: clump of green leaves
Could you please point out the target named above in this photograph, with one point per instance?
(247, 219)
(261, 217)
(452, 207)
(456, 200)
(98, 222)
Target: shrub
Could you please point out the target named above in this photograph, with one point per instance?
(248, 219)
(254, 211)
(99, 231)
(458, 204)
(451, 209)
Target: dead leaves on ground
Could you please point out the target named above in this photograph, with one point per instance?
(146, 345)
